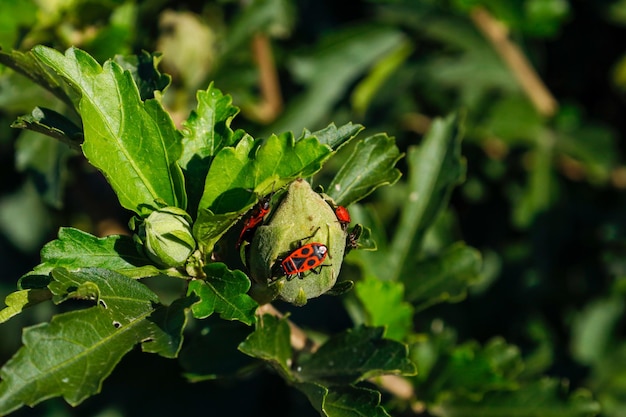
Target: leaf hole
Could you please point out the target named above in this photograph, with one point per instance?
(117, 324)
(102, 303)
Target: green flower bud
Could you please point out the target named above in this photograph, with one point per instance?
(301, 218)
(166, 236)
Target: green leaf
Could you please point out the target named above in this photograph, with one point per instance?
(594, 328)
(435, 168)
(209, 228)
(259, 165)
(377, 298)
(273, 17)
(134, 143)
(367, 89)
(53, 124)
(46, 162)
(16, 15)
(330, 70)
(443, 278)
(30, 66)
(543, 398)
(206, 131)
(356, 355)
(211, 351)
(225, 292)
(270, 342)
(19, 300)
(71, 355)
(143, 68)
(343, 401)
(75, 249)
(541, 188)
(472, 370)
(334, 136)
(371, 165)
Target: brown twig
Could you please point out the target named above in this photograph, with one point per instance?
(532, 85)
(395, 385)
(271, 103)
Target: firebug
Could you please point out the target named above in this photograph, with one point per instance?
(305, 258)
(252, 222)
(343, 216)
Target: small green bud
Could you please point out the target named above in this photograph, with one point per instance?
(302, 217)
(166, 236)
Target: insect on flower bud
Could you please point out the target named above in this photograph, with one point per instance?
(297, 255)
(166, 236)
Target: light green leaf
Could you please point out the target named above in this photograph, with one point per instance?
(225, 292)
(356, 355)
(543, 398)
(435, 168)
(71, 355)
(594, 329)
(260, 166)
(134, 143)
(19, 300)
(444, 277)
(371, 165)
(343, 401)
(270, 342)
(377, 297)
(334, 136)
(75, 249)
(28, 65)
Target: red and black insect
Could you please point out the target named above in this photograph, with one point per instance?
(343, 216)
(255, 219)
(305, 258)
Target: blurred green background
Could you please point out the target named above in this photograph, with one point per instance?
(543, 199)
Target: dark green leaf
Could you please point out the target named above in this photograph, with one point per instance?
(143, 68)
(545, 398)
(377, 298)
(371, 165)
(53, 124)
(329, 72)
(46, 162)
(134, 143)
(75, 249)
(343, 401)
(270, 342)
(445, 277)
(211, 352)
(71, 355)
(470, 369)
(356, 355)
(225, 292)
(435, 168)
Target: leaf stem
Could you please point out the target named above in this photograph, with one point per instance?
(498, 35)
